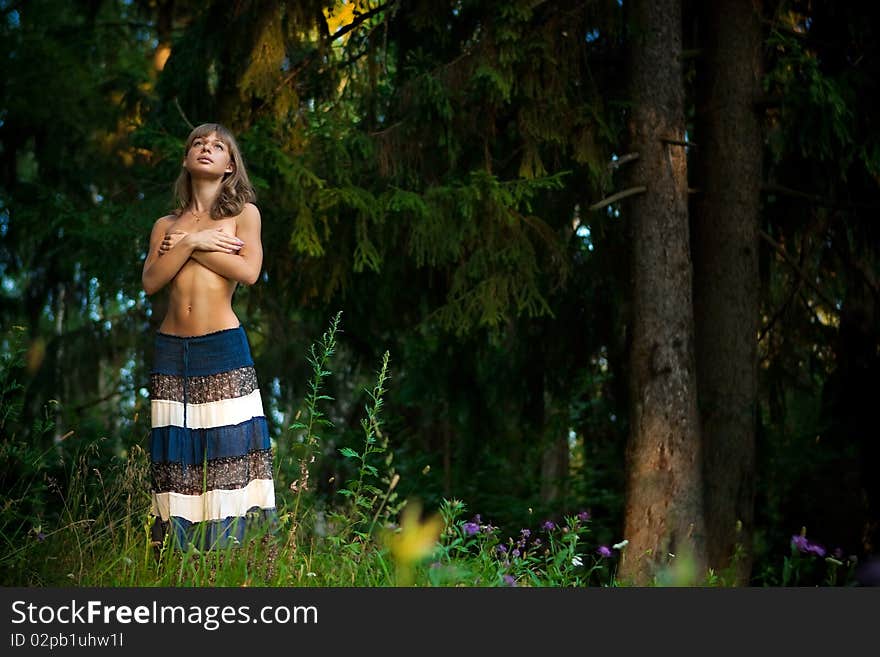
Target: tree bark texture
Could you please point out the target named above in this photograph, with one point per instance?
(663, 519)
(724, 231)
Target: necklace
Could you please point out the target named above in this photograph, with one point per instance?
(197, 215)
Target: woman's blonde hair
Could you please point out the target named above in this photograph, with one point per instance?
(236, 189)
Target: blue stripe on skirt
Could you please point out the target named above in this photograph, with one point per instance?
(173, 444)
(202, 355)
(229, 532)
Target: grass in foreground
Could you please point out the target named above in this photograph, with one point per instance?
(101, 534)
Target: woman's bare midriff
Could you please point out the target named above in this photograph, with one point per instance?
(200, 302)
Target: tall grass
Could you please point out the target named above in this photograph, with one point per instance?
(86, 522)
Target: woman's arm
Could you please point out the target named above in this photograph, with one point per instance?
(159, 268)
(169, 251)
(245, 266)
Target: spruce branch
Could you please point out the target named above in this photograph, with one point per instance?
(623, 159)
(632, 191)
(182, 113)
(831, 305)
(345, 29)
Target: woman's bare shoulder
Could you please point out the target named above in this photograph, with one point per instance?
(165, 221)
(249, 214)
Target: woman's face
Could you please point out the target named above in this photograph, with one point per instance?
(208, 156)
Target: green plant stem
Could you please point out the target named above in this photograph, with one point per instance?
(328, 347)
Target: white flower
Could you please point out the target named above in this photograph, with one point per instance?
(576, 560)
(621, 545)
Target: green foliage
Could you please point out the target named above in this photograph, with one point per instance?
(429, 173)
(473, 553)
(102, 535)
(822, 104)
(306, 445)
(808, 565)
(367, 501)
(11, 364)
(28, 475)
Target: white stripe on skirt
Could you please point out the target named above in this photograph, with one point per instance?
(211, 414)
(215, 504)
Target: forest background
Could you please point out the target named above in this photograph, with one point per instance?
(622, 256)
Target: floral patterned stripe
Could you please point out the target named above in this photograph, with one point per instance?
(228, 473)
(204, 389)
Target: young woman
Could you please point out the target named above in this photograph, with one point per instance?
(211, 456)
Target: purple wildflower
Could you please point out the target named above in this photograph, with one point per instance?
(548, 525)
(583, 516)
(604, 551)
(509, 580)
(516, 552)
(816, 549)
(525, 532)
(501, 549)
(800, 542)
(471, 528)
(803, 545)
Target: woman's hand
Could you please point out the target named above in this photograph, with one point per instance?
(171, 238)
(213, 240)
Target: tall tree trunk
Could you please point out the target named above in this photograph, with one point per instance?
(663, 513)
(726, 286)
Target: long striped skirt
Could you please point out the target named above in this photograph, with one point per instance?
(211, 458)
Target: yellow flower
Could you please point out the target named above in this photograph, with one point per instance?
(416, 539)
